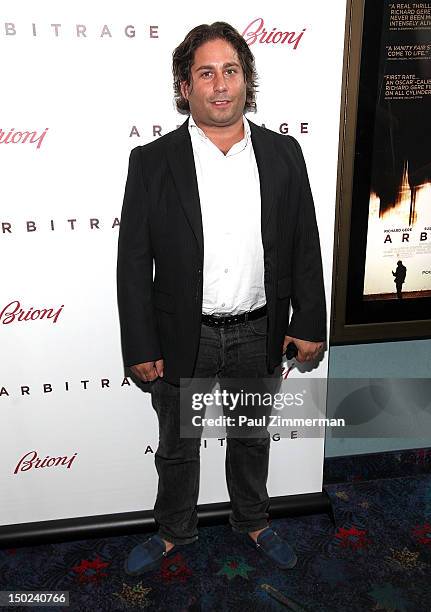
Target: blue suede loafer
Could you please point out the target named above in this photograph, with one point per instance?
(275, 548)
(146, 556)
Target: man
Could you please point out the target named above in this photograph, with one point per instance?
(224, 209)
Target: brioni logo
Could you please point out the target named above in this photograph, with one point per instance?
(256, 32)
(14, 136)
(31, 460)
(13, 312)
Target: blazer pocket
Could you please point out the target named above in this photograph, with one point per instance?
(164, 301)
(284, 286)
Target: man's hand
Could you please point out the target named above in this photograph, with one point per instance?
(148, 371)
(307, 351)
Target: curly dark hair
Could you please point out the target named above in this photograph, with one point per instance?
(183, 58)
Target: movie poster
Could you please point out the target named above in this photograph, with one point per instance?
(398, 245)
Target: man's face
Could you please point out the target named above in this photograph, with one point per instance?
(217, 91)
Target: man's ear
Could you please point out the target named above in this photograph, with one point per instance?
(185, 89)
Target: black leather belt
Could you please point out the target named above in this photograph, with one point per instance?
(218, 321)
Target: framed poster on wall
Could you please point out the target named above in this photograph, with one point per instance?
(382, 259)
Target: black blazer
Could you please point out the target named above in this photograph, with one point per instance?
(161, 221)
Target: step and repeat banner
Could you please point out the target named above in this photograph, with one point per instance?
(82, 85)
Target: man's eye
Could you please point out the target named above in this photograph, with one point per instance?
(231, 71)
(206, 74)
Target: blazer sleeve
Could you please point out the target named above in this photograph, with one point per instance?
(308, 320)
(138, 324)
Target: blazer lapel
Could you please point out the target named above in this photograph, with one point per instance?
(266, 163)
(182, 165)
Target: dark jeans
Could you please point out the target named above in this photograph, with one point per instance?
(235, 351)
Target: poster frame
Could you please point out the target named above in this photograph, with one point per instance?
(357, 54)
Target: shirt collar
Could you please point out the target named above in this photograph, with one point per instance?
(238, 146)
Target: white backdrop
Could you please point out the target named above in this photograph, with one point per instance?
(91, 80)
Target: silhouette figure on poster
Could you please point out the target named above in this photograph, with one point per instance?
(400, 277)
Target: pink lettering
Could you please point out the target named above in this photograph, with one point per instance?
(13, 312)
(15, 137)
(255, 32)
(30, 460)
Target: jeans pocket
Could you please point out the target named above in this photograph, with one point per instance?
(259, 327)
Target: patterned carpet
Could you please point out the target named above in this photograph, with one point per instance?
(378, 557)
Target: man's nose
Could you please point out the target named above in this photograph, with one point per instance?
(220, 82)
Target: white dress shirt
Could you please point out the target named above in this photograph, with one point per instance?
(229, 192)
